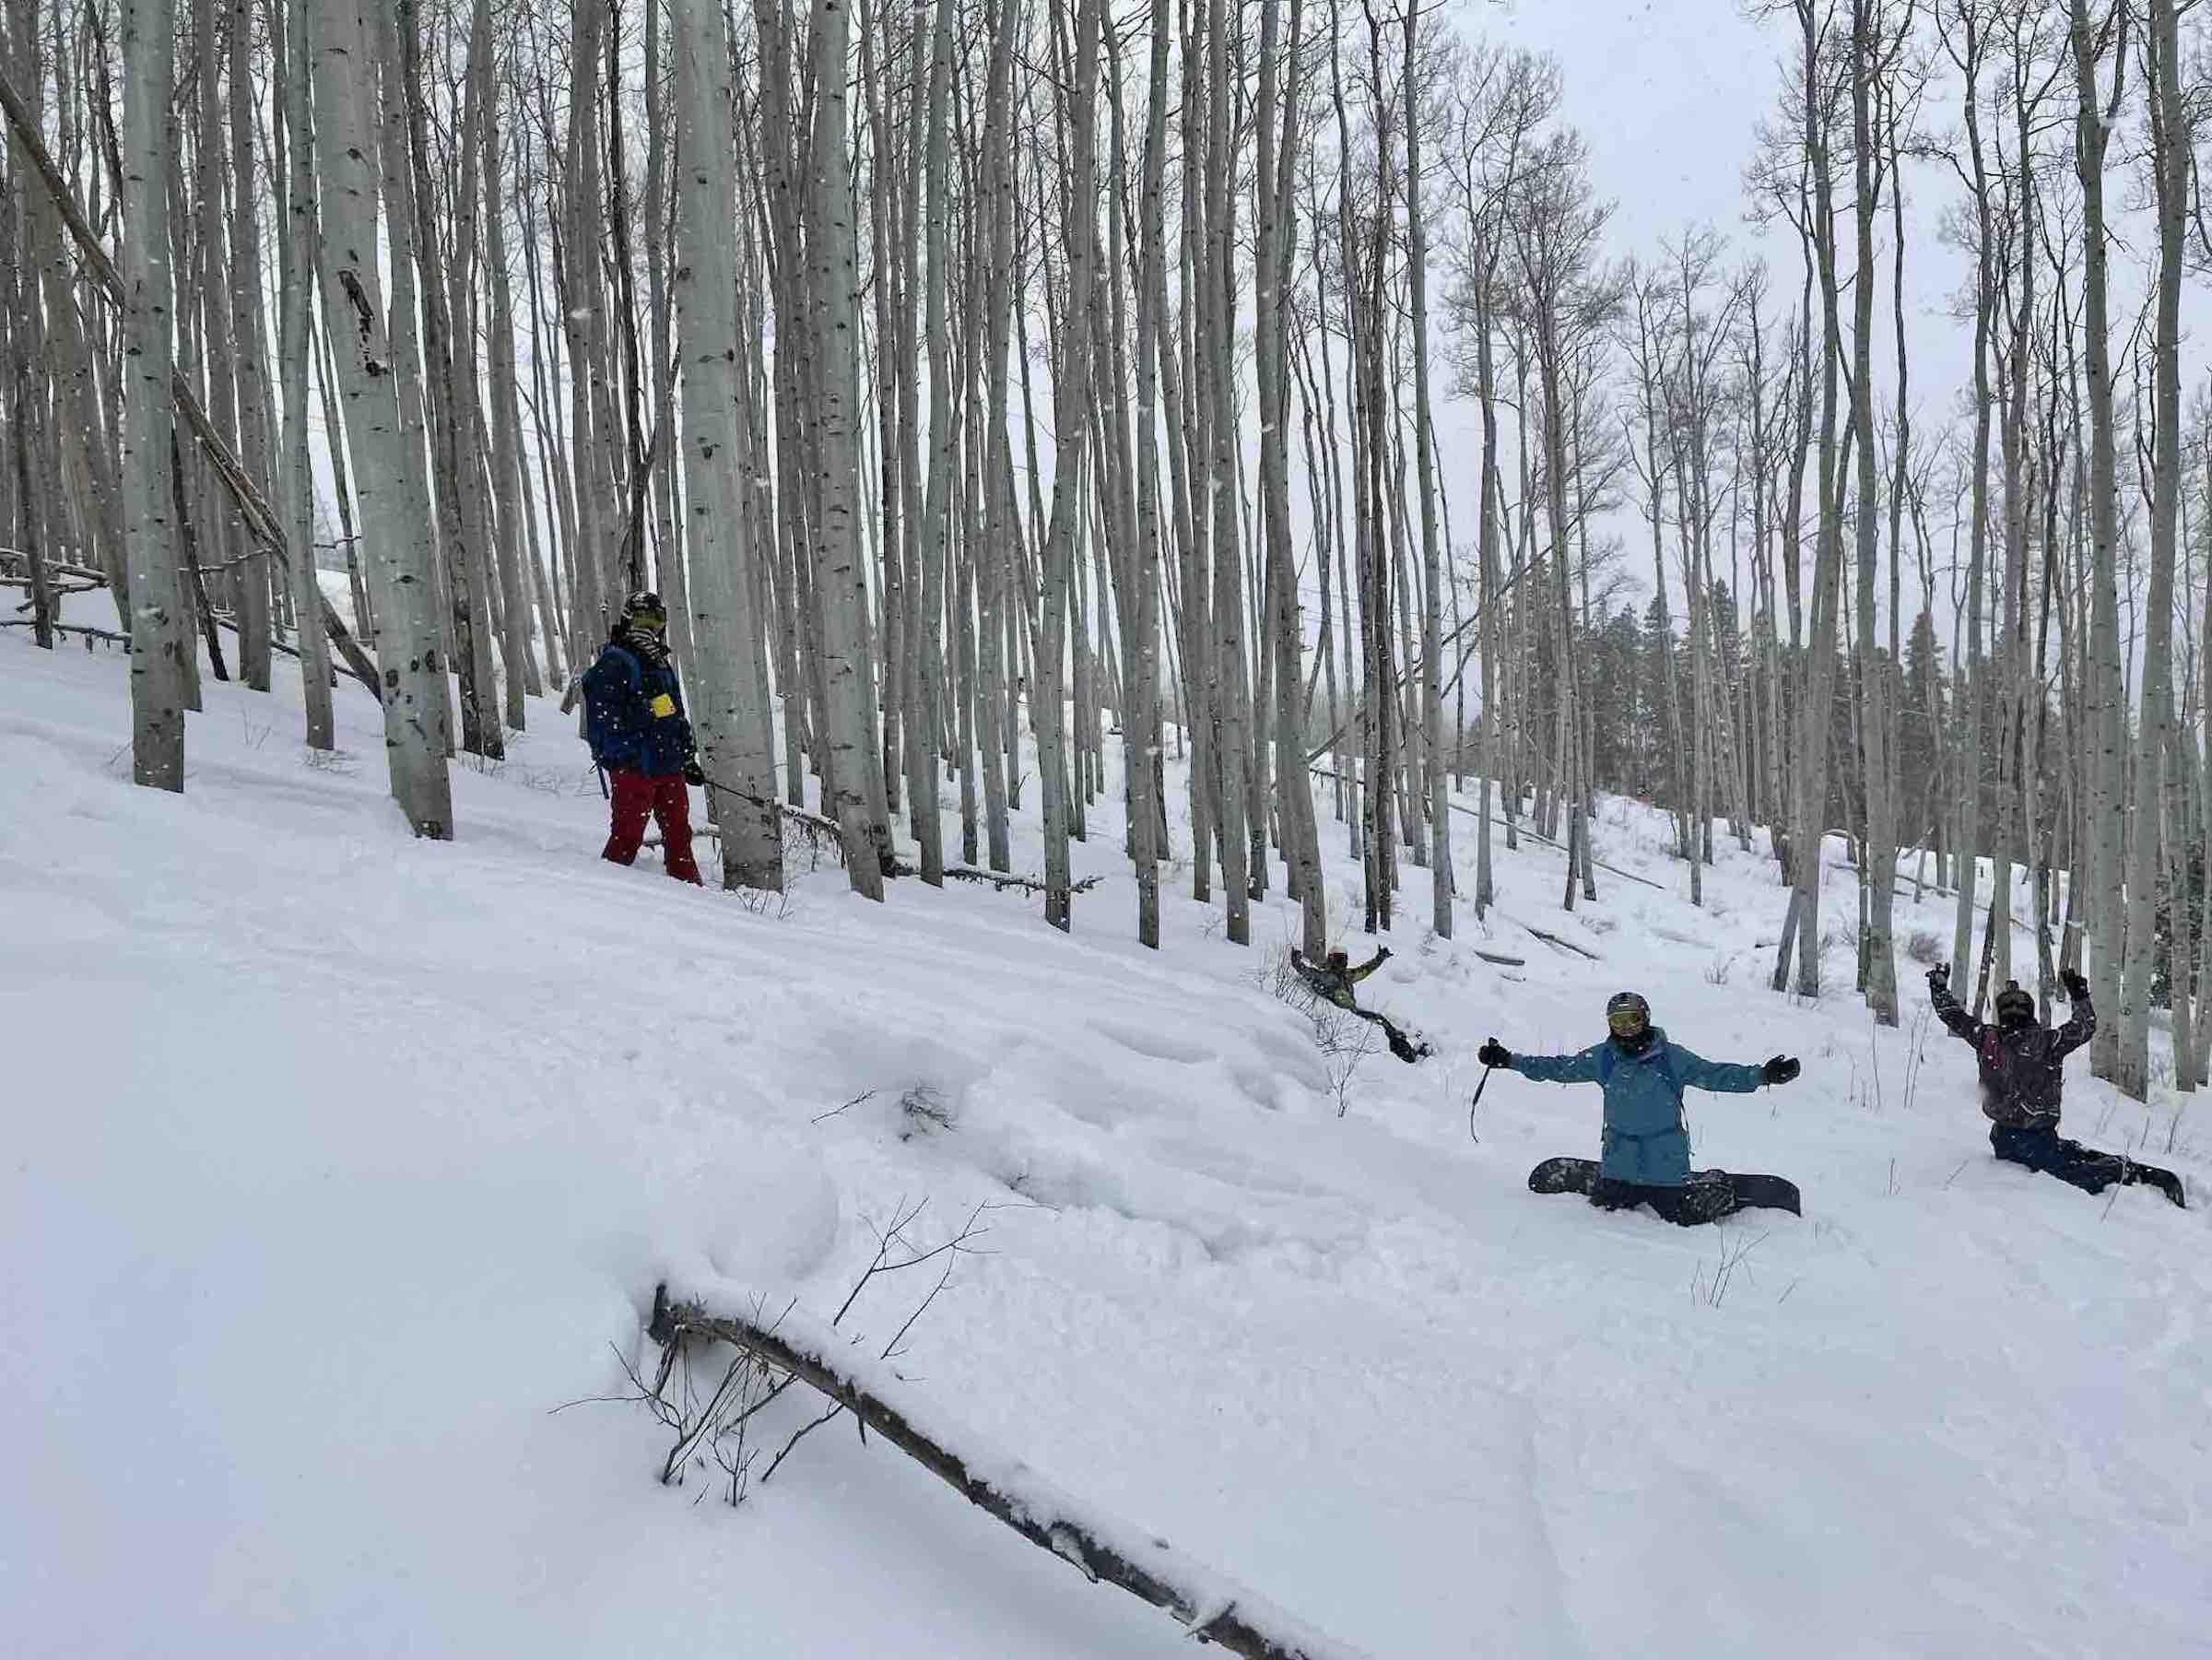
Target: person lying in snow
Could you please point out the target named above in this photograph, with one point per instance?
(634, 721)
(2023, 1065)
(1645, 1139)
(1332, 981)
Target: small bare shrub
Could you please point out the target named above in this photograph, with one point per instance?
(1925, 947)
(1719, 969)
(925, 1110)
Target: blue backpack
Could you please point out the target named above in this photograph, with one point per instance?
(611, 737)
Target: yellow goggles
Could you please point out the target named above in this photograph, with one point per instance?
(1627, 1022)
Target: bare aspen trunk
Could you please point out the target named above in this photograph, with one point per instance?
(944, 439)
(1275, 213)
(2172, 161)
(1141, 645)
(847, 674)
(1433, 557)
(1815, 715)
(410, 654)
(992, 563)
(2105, 702)
(728, 641)
(450, 383)
(161, 636)
(1881, 833)
(249, 385)
(508, 485)
(1226, 646)
(294, 79)
(1071, 429)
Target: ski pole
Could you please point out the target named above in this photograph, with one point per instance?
(1479, 1088)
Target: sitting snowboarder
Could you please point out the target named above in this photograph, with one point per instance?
(1332, 981)
(2022, 1073)
(1646, 1141)
(634, 721)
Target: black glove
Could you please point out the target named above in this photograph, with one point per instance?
(1940, 977)
(2077, 987)
(692, 775)
(1779, 1070)
(1494, 1054)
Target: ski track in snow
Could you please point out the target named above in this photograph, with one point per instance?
(337, 1162)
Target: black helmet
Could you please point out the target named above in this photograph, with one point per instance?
(2015, 1006)
(644, 605)
(1628, 1017)
(1628, 1011)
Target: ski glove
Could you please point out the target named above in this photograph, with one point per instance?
(1494, 1054)
(692, 775)
(1779, 1070)
(2077, 987)
(1940, 977)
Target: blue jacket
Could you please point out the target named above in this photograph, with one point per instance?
(623, 716)
(1645, 1138)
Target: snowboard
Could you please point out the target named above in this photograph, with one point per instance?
(2158, 1179)
(1744, 1192)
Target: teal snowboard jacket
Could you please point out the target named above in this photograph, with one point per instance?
(1645, 1138)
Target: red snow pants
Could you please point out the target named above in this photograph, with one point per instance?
(665, 799)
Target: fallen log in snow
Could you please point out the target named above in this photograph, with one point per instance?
(1211, 1607)
(1553, 939)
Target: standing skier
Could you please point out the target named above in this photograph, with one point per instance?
(634, 721)
(1332, 981)
(2022, 1074)
(1646, 1140)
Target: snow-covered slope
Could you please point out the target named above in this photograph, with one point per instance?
(336, 1162)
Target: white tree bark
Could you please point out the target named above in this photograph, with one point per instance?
(847, 673)
(727, 638)
(295, 76)
(160, 634)
(1441, 877)
(1874, 677)
(411, 656)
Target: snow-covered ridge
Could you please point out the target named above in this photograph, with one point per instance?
(337, 1162)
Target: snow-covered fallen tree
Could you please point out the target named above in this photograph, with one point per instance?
(1212, 1608)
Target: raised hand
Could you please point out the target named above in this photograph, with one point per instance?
(2076, 986)
(1779, 1070)
(1940, 977)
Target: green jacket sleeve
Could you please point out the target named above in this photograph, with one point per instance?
(1354, 976)
(1562, 1068)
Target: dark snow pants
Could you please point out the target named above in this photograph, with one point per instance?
(1705, 1197)
(2051, 1153)
(1400, 1045)
(637, 797)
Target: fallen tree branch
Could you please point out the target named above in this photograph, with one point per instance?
(1522, 830)
(261, 519)
(1210, 1607)
(1553, 939)
(1000, 880)
(71, 627)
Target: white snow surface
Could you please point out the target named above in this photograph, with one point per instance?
(336, 1161)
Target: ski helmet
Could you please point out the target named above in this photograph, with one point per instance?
(2015, 1006)
(1628, 1015)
